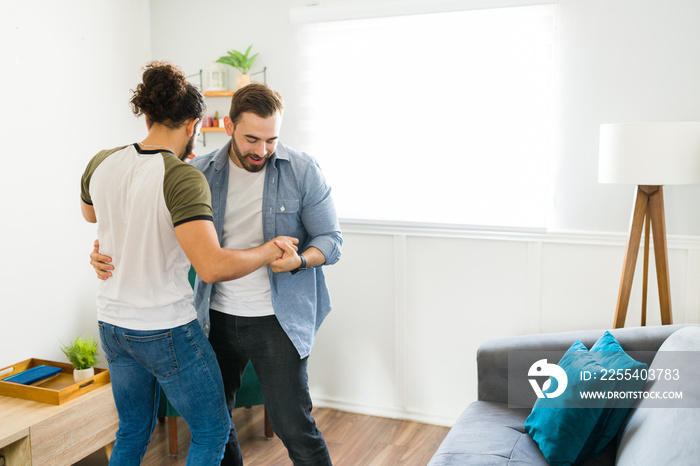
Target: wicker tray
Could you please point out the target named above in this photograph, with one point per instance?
(55, 390)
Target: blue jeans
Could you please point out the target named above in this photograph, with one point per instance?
(183, 363)
(283, 380)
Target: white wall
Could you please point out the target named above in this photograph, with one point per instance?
(622, 61)
(411, 307)
(67, 68)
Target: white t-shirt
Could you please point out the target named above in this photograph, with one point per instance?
(248, 296)
(139, 197)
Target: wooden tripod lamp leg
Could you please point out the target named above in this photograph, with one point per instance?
(645, 277)
(658, 225)
(630, 262)
(649, 209)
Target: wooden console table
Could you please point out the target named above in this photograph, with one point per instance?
(33, 433)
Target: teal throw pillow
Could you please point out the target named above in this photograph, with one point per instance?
(571, 427)
(626, 379)
(562, 426)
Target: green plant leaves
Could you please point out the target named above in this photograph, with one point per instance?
(82, 353)
(239, 60)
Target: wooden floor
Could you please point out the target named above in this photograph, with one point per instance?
(352, 439)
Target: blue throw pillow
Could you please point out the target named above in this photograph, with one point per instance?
(570, 428)
(562, 426)
(611, 356)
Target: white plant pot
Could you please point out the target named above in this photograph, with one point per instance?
(82, 374)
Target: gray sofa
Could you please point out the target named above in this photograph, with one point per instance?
(491, 431)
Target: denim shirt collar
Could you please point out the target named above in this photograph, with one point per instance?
(221, 157)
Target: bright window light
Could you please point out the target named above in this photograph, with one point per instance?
(442, 118)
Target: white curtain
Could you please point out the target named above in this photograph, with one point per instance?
(441, 118)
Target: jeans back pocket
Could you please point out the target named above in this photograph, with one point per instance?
(155, 352)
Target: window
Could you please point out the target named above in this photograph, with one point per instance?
(440, 118)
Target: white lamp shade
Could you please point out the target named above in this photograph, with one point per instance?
(650, 153)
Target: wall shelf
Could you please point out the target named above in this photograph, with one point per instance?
(218, 93)
(219, 129)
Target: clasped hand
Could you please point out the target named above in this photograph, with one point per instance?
(289, 260)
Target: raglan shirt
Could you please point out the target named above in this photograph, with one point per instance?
(139, 196)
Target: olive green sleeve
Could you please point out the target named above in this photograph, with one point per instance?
(186, 191)
(90, 169)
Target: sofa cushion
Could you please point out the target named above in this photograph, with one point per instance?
(667, 435)
(486, 434)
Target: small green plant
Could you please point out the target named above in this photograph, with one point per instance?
(238, 60)
(82, 353)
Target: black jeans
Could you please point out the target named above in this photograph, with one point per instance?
(283, 379)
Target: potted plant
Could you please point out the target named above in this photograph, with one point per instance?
(242, 62)
(82, 353)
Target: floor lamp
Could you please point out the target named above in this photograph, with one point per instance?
(649, 155)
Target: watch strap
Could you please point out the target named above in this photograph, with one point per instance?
(302, 266)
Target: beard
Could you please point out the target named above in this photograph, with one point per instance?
(245, 158)
(188, 148)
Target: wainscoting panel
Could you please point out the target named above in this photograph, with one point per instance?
(354, 357)
(458, 293)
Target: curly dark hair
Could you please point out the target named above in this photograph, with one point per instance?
(256, 98)
(166, 97)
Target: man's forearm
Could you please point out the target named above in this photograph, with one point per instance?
(314, 257)
(213, 263)
(227, 264)
(234, 263)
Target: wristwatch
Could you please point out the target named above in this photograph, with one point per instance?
(302, 266)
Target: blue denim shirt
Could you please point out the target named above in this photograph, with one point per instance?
(296, 202)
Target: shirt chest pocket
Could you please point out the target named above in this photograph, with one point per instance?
(287, 207)
(288, 217)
